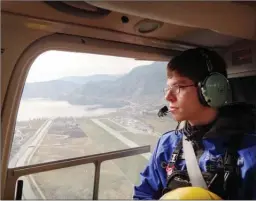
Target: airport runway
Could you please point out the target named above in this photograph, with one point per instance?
(24, 155)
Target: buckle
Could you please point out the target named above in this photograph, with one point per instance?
(174, 157)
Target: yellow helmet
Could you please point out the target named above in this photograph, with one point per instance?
(190, 193)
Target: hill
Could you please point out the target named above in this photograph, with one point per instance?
(141, 85)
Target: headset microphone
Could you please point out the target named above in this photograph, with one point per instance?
(163, 111)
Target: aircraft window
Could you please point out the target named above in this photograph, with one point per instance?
(243, 89)
(67, 183)
(119, 185)
(77, 104)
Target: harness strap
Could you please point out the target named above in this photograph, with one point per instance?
(176, 153)
(171, 166)
(232, 172)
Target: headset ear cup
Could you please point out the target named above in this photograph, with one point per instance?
(215, 90)
(201, 97)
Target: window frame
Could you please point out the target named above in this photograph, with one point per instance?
(61, 42)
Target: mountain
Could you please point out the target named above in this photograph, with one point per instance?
(50, 89)
(56, 89)
(92, 78)
(144, 83)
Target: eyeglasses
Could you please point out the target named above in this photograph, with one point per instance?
(175, 89)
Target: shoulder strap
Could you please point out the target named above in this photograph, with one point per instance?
(193, 169)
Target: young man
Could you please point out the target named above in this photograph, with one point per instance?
(223, 137)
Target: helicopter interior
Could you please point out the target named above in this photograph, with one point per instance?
(154, 31)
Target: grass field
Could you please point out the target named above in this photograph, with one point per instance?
(117, 176)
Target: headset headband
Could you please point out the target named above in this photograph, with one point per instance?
(208, 61)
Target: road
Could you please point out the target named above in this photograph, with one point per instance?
(24, 155)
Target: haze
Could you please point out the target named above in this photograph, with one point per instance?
(53, 65)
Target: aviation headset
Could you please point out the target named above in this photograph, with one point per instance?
(214, 89)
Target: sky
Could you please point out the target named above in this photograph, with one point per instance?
(53, 65)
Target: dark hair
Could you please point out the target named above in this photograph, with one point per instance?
(193, 64)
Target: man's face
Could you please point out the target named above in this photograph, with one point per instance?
(182, 97)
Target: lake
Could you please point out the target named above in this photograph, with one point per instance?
(45, 108)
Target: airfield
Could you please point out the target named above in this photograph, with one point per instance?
(61, 138)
